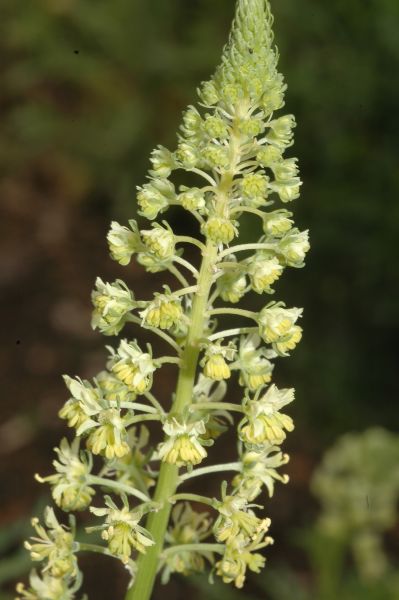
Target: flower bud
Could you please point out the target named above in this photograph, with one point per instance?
(263, 272)
(192, 122)
(254, 187)
(287, 183)
(132, 366)
(184, 446)
(273, 98)
(109, 438)
(162, 161)
(83, 395)
(214, 361)
(164, 311)
(232, 285)
(285, 169)
(253, 362)
(208, 93)
(263, 423)
(155, 197)
(112, 388)
(220, 230)
(277, 223)
(281, 131)
(269, 155)
(294, 247)
(277, 327)
(232, 93)
(216, 127)
(122, 530)
(251, 127)
(152, 263)
(215, 156)
(192, 199)
(112, 305)
(73, 412)
(287, 190)
(188, 155)
(255, 87)
(69, 484)
(159, 241)
(123, 242)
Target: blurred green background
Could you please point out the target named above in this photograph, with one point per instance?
(87, 90)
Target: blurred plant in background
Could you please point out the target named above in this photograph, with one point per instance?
(77, 83)
(357, 484)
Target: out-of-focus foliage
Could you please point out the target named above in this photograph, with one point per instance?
(358, 487)
(94, 86)
(357, 484)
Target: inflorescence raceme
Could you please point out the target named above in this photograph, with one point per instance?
(234, 143)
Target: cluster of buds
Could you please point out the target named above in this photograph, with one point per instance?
(234, 146)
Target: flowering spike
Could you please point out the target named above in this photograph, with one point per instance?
(234, 143)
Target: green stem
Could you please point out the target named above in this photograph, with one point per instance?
(192, 498)
(137, 406)
(184, 263)
(244, 247)
(231, 265)
(191, 289)
(118, 486)
(181, 279)
(168, 476)
(233, 466)
(171, 360)
(95, 548)
(199, 547)
(247, 209)
(142, 418)
(159, 332)
(249, 314)
(216, 406)
(204, 175)
(231, 332)
(190, 240)
(151, 398)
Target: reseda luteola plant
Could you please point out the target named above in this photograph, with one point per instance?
(234, 143)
